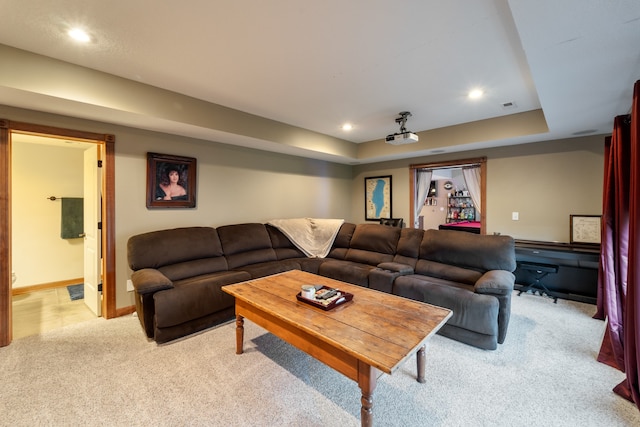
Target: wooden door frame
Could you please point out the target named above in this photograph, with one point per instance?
(482, 161)
(108, 215)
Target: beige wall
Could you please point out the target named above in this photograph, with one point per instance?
(544, 182)
(40, 255)
(235, 184)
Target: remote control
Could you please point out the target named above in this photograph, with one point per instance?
(328, 294)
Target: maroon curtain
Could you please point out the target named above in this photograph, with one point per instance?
(619, 275)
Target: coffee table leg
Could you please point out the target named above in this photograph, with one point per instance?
(367, 377)
(420, 358)
(239, 334)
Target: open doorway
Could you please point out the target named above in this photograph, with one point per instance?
(449, 195)
(107, 209)
(51, 189)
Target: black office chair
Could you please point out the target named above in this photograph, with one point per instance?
(393, 222)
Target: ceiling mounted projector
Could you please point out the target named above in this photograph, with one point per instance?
(404, 136)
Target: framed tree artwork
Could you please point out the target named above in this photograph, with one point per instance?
(171, 181)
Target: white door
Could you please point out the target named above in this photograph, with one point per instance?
(92, 261)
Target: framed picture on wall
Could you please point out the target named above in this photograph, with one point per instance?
(377, 195)
(171, 181)
(585, 229)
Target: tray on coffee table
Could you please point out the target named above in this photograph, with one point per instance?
(341, 298)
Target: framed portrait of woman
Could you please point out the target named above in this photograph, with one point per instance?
(171, 181)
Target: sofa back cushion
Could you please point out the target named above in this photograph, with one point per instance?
(468, 250)
(447, 272)
(342, 240)
(157, 249)
(408, 249)
(245, 244)
(282, 246)
(193, 268)
(373, 244)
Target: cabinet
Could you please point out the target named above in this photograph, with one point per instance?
(460, 208)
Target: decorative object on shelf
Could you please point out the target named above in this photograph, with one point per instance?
(171, 181)
(460, 208)
(433, 189)
(585, 229)
(377, 194)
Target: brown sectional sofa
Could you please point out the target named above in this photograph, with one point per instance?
(178, 273)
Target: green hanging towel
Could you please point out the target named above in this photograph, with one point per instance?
(72, 223)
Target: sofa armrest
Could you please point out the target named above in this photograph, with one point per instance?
(495, 282)
(382, 277)
(149, 281)
(396, 267)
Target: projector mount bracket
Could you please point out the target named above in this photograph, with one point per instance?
(402, 120)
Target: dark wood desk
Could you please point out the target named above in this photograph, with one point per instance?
(577, 276)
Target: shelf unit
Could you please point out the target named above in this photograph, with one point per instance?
(460, 208)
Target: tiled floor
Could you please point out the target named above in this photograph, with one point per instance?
(41, 311)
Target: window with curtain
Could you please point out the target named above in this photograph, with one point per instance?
(423, 183)
(472, 179)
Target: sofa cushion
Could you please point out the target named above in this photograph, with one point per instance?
(196, 267)
(262, 269)
(282, 246)
(480, 252)
(373, 244)
(342, 240)
(375, 238)
(408, 249)
(310, 265)
(346, 271)
(471, 311)
(246, 244)
(159, 248)
(367, 257)
(195, 297)
(448, 272)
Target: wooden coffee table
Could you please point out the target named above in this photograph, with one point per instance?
(375, 332)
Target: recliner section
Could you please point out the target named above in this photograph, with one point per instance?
(178, 273)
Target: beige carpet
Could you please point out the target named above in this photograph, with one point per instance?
(106, 373)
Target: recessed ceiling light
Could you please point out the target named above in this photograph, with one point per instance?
(476, 93)
(79, 35)
(347, 127)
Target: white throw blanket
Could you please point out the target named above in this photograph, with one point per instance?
(312, 236)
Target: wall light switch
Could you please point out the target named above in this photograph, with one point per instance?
(515, 216)
(129, 285)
